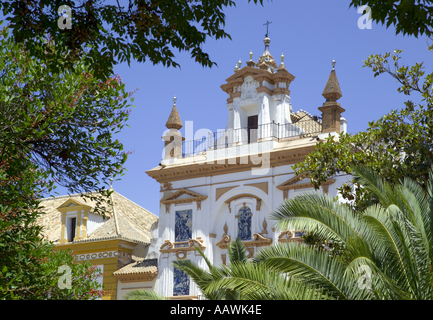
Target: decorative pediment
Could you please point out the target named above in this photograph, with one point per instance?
(183, 196)
(181, 248)
(259, 241)
(73, 205)
(291, 236)
(224, 242)
(297, 183)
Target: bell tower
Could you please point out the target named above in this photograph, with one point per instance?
(259, 99)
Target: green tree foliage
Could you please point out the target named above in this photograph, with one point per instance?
(62, 123)
(55, 128)
(388, 246)
(54, 275)
(410, 17)
(127, 30)
(397, 145)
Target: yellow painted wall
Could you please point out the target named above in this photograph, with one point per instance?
(110, 264)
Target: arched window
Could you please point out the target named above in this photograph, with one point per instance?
(244, 223)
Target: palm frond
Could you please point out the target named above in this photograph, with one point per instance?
(313, 267)
(318, 214)
(257, 282)
(143, 295)
(237, 252)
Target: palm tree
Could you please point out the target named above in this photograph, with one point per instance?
(388, 246)
(239, 280)
(388, 250)
(244, 280)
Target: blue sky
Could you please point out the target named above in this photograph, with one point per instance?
(310, 33)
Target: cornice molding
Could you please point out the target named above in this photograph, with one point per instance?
(141, 277)
(196, 170)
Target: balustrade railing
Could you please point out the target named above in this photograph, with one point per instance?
(266, 132)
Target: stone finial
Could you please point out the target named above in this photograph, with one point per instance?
(174, 121)
(251, 63)
(332, 91)
(282, 66)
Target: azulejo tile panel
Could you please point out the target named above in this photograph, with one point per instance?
(244, 223)
(181, 283)
(183, 225)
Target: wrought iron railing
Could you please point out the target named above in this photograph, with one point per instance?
(266, 132)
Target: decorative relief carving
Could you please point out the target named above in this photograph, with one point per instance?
(181, 254)
(249, 89)
(182, 246)
(250, 253)
(259, 241)
(291, 236)
(224, 259)
(224, 242)
(166, 186)
(225, 228)
(98, 255)
(265, 225)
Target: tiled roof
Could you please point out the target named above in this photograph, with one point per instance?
(174, 121)
(139, 266)
(311, 124)
(332, 91)
(124, 220)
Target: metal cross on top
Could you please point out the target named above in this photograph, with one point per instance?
(267, 27)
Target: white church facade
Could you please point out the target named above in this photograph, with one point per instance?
(224, 186)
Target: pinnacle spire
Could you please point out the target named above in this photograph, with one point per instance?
(174, 121)
(332, 91)
(266, 61)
